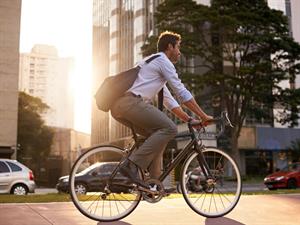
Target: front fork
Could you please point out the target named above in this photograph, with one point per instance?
(203, 164)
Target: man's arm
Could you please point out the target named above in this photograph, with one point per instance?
(181, 114)
(194, 107)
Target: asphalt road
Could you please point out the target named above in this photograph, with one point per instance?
(251, 210)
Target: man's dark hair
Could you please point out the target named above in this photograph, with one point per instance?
(166, 38)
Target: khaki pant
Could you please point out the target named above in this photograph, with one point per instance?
(150, 122)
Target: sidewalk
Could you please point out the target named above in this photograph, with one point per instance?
(251, 210)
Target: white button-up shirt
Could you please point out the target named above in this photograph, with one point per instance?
(153, 77)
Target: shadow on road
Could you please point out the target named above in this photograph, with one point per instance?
(113, 223)
(222, 221)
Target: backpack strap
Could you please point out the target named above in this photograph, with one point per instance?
(151, 58)
(161, 99)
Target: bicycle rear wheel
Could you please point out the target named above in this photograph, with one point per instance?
(218, 195)
(92, 190)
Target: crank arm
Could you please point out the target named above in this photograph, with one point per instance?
(148, 190)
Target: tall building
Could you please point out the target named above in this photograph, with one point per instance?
(45, 75)
(10, 14)
(119, 30)
(101, 15)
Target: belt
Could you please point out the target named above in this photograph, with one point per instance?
(138, 96)
(132, 94)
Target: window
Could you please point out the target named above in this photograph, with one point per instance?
(14, 167)
(4, 168)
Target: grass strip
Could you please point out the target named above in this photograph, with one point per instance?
(54, 197)
(35, 198)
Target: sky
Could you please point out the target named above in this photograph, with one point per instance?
(67, 25)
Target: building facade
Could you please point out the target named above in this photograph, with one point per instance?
(119, 30)
(45, 75)
(10, 14)
(100, 120)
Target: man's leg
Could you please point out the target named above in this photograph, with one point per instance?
(155, 166)
(155, 122)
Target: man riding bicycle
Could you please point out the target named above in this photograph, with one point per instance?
(136, 108)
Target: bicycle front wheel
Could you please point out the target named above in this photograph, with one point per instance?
(213, 196)
(94, 191)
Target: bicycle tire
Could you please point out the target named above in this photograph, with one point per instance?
(231, 184)
(122, 198)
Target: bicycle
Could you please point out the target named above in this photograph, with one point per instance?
(111, 196)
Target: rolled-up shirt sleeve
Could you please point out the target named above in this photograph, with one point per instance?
(169, 101)
(168, 71)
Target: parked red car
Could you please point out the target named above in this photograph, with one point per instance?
(289, 177)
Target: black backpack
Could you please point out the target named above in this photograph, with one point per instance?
(113, 87)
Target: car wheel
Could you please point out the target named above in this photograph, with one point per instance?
(80, 188)
(19, 189)
(272, 189)
(292, 184)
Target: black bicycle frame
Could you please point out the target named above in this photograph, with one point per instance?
(182, 154)
(187, 150)
(192, 146)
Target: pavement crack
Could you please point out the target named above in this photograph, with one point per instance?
(37, 212)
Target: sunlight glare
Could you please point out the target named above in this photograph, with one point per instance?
(67, 25)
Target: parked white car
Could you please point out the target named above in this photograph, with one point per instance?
(15, 178)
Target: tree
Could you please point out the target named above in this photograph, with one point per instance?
(34, 137)
(242, 51)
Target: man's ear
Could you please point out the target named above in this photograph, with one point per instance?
(170, 46)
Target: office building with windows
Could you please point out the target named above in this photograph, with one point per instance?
(45, 75)
(119, 30)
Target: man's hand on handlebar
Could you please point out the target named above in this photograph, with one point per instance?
(207, 120)
(197, 124)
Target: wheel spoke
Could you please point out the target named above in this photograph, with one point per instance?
(116, 205)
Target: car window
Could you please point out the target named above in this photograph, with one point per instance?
(100, 169)
(104, 168)
(4, 168)
(109, 167)
(14, 167)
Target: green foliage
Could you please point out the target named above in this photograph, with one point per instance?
(34, 137)
(241, 51)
